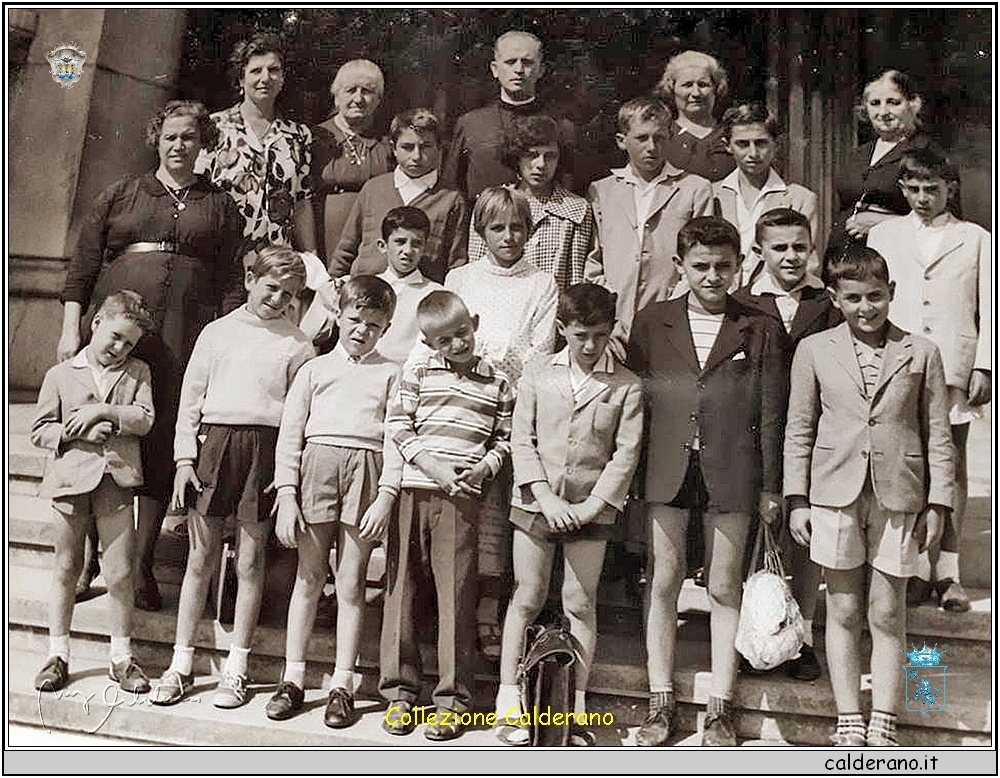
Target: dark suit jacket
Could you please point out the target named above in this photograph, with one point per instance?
(737, 402)
(815, 314)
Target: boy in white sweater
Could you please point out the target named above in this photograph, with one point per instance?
(231, 401)
(327, 469)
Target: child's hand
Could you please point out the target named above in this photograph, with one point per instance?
(447, 475)
(588, 510)
(800, 525)
(558, 513)
(184, 477)
(930, 524)
(82, 418)
(770, 507)
(98, 433)
(473, 477)
(290, 521)
(376, 519)
(979, 387)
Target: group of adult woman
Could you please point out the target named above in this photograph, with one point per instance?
(247, 176)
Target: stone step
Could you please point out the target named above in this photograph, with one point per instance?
(774, 704)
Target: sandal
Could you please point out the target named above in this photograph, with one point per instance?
(512, 735)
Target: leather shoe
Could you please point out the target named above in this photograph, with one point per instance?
(720, 731)
(805, 667)
(918, 591)
(450, 729)
(339, 709)
(53, 676)
(656, 730)
(393, 721)
(953, 596)
(286, 702)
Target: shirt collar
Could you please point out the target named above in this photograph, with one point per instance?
(774, 182)
(766, 284)
(80, 360)
(938, 221)
(507, 101)
(604, 364)
(416, 278)
(423, 183)
(342, 352)
(561, 203)
(479, 365)
(627, 174)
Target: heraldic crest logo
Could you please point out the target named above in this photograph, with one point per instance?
(925, 680)
(66, 62)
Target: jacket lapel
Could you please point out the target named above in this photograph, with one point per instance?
(731, 338)
(678, 332)
(947, 246)
(843, 352)
(662, 193)
(812, 305)
(626, 204)
(594, 388)
(898, 353)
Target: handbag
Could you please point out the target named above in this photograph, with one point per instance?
(546, 679)
(771, 629)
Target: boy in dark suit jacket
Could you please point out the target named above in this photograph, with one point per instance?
(713, 375)
(783, 286)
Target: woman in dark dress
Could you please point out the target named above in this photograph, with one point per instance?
(345, 154)
(694, 86)
(866, 185)
(174, 238)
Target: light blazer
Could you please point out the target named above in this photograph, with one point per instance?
(638, 265)
(793, 196)
(835, 435)
(736, 403)
(79, 466)
(943, 298)
(579, 447)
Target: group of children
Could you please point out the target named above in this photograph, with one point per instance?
(794, 396)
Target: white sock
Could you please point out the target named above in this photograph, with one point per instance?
(580, 702)
(295, 672)
(59, 646)
(808, 624)
(947, 566)
(923, 566)
(121, 649)
(508, 697)
(667, 687)
(238, 660)
(183, 660)
(343, 679)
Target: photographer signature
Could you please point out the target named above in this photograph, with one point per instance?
(113, 697)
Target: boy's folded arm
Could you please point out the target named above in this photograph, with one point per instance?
(47, 428)
(136, 418)
(616, 477)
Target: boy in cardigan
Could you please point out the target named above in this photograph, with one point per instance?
(231, 401)
(416, 137)
(329, 460)
(451, 423)
(869, 477)
(92, 409)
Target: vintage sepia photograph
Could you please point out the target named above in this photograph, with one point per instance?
(431, 377)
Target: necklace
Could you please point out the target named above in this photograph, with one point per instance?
(178, 201)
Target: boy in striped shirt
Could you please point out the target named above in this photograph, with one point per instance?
(451, 422)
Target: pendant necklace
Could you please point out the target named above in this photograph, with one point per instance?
(178, 201)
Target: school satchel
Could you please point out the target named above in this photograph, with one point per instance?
(546, 678)
(771, 630)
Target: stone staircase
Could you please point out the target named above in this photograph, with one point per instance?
(773, 709)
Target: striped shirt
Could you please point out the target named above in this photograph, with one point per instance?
(870, 362)
(705, 328)
(463, 417)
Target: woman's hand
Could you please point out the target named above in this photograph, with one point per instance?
(69, 340)
(860, 223)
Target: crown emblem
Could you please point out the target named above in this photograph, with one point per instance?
(925, 657)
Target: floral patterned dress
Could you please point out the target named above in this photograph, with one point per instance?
(265, 177)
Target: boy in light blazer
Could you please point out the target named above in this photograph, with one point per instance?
(943, 268)
(576, 435)
(869, 476)
(92, 410)
(715, 385)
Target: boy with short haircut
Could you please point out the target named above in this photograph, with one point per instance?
(639, 209)
(451, 422)
(715, 392)
(416, 138)
(231, 401)
(751, 133)
(575, 441)
(783, 287)
(869, 477)
(404, 236)
(329, 459)
(943, 269)
(92, 410)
